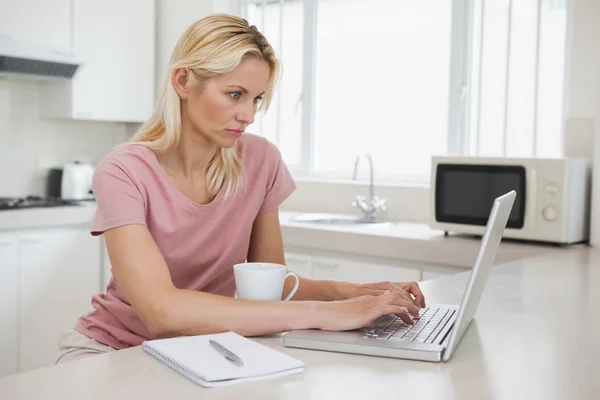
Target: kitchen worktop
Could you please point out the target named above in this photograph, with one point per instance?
(34, 218)
(534, 336)
(399, 240)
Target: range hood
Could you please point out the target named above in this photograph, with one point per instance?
(23, 60)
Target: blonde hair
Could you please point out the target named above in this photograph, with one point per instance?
(213, 45)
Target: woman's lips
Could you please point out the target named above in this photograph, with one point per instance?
(235, 132)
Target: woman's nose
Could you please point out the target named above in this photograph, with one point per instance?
(246, 114)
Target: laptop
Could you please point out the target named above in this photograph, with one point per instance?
(436, 334)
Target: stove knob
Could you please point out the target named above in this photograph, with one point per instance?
(550, 213)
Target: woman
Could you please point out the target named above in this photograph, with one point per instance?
(191, 195)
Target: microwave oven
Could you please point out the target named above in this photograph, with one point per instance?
(552, 203)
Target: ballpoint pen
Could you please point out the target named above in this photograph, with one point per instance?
(229, 355)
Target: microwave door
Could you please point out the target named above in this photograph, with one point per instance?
(464, 193)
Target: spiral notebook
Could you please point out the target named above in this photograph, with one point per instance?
(195, 359)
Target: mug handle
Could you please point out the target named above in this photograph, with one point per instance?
(295, 286)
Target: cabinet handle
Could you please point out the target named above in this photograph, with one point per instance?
(5, 36)
(32, 240)
(327, 265)
(5, 244)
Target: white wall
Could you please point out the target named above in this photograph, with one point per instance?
(582, 108)
(582, 80)
(174, 17)
(24, 137)
(226, 6)
(405, 203)
(583, 62)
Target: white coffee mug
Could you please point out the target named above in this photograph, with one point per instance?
(262, 281)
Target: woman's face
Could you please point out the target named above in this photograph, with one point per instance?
(225, 105)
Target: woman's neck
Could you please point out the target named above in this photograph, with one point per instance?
(191, 157)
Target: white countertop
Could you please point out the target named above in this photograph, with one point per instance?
(535, 336)
(34, 218)
(400, 240)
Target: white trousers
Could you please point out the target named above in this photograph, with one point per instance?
(75, 345)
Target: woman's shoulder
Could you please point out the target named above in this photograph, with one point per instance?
(255, 147)
(131, 159)
(127, 155)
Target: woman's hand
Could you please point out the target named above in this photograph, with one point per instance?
(409, 291)
(359, 312)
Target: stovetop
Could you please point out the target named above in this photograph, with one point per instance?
(16, 203)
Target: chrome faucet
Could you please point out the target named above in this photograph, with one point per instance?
(369, 205)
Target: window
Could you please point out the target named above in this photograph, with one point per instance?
(404, 80)
(517, 69)
(283, 27)
(382, 80)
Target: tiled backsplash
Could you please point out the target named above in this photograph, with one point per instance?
(25, 138)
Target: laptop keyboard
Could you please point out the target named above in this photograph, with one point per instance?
(424, 330)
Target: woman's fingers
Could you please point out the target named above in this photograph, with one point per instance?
(396, 288)
(408, 290)
(405, 317)
(415, 290)
(399, 311)
(396, 299)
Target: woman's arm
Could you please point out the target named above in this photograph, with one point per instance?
(142, 274)
(266, 245)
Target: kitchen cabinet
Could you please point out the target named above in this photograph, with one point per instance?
(299, 263)
(361, 272)
(116, 42)
(354, 268)
(9, 362)
(59, 272)
(47, 280)
(41, 22)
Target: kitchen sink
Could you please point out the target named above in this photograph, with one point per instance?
(337, 219)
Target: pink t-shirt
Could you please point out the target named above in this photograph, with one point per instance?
(200, 243)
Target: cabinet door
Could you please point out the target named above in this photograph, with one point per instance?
(39, 22)
(359, 272)
(116, 40)
(8, 305)
(59, 272)
(299, 263)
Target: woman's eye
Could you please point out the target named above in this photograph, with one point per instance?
(257, 100)
(235, 95)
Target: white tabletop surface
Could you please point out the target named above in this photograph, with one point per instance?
(535, 336)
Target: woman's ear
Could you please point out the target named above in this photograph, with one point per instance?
(179, 81)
